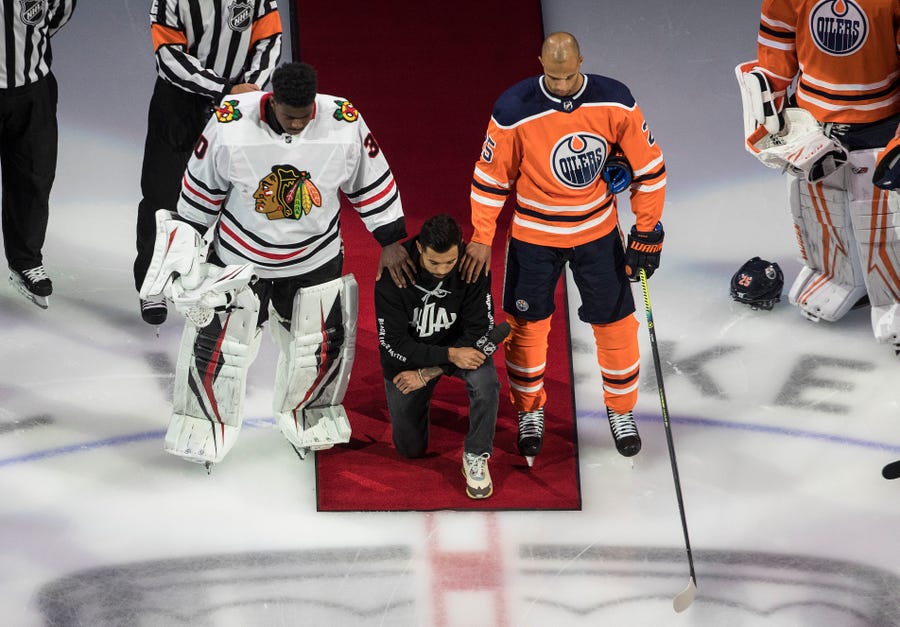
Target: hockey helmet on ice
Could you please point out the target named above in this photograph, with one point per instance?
(758, 283)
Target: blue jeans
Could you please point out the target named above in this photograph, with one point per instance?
(410, 412)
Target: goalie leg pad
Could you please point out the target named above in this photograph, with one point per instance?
(177, 250)
(210, 382)
(314, 364)
(876, 222)
(831, 281)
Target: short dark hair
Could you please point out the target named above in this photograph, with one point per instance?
(294, 84)
(440, 233)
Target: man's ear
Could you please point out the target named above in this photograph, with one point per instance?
(419, 247)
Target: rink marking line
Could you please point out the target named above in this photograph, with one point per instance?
(107, 443)
(260, 422)
(797, 433)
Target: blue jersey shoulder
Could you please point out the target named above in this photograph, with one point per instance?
(528, 98)
(605, 89)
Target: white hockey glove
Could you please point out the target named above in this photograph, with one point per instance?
(801, 147)
(215, 294)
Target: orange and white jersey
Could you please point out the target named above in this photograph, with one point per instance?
(845, 55)
(552, 151)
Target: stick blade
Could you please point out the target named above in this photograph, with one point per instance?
(685, 597)
(891, 471)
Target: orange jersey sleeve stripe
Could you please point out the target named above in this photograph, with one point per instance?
(267, 26)
(166, 36)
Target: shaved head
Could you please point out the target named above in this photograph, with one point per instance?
(559, 46)
(561, 59)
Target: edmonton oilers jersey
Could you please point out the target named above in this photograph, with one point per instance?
(847, 54)
(552, 151)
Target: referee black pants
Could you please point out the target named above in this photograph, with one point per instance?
(28, 149)
(174, 122)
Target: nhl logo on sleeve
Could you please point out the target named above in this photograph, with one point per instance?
(31, 12)
(240, 15)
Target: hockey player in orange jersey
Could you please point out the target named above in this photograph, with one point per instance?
(821, 102)
(565, 142)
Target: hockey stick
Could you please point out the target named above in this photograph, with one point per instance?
(686, 596)
(892, 470)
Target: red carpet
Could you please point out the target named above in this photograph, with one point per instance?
(425, 76)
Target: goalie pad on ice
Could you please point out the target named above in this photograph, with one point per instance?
(876, 222)
(800, 147)
(832, 280)
(316, 356)
(210, 382)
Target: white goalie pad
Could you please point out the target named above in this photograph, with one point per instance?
(177, 251)
(314, 364)
(800, 148)
(831, 281)
(876, 221)
(757, 99)
(210, 382)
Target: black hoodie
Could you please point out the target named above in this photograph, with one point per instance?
(417, 323)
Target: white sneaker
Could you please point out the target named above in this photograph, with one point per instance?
(478, 478)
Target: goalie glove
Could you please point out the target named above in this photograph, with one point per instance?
(617, 173)
(887, 169)
(643, 251)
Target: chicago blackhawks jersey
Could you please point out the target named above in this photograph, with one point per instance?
(206, 47)
(552, 151)
(274, 198)
(844, 53)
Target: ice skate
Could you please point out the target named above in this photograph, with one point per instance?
(34, 284)
(478, 478)
(154, 309)
(625, 433)
(531, 434)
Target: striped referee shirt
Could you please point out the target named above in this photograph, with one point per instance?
(207, 46)
(25, 38)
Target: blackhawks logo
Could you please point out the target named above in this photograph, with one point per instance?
(227, 111)
(287, 193)
(345, 111)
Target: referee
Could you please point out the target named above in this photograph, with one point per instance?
(28, 136)
(205, 50)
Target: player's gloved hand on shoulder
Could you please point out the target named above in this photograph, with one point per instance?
(643, 251)
(617, 173)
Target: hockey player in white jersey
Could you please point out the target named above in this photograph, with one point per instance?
(265, 185)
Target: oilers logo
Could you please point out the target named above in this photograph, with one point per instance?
(838, 27)
(577, 159)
